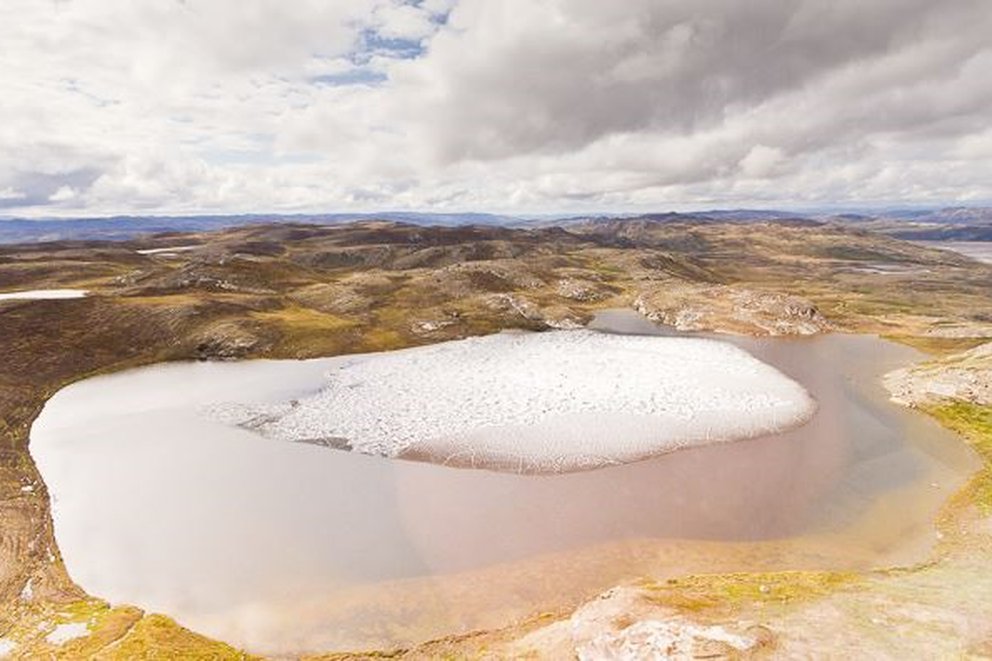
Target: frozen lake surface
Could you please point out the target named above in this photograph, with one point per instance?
(282, 546)
(538, 402)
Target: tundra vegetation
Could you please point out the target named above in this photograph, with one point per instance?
(299, 291)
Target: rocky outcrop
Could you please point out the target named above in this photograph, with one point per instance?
(960, 329)
(672, 638)
(581, 290)
(552, 316)
(471, 278)
(966, 376)
(623, 624)
(225, 340)
(344, 298)
(732, 309)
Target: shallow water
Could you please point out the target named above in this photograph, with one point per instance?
(283, 547)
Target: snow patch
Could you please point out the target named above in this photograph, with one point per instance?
(167, 251)
(63, 633)
(42, 294)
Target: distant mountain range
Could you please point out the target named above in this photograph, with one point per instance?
(967, 215)
(122, 228)
(949, 224)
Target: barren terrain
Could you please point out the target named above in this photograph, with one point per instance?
(304, 291)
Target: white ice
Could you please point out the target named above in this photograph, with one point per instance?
(166, 251)
(540, 402)
(63, 633)
(42, 294)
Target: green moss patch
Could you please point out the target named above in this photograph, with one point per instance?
(974, 423)
(719, 594)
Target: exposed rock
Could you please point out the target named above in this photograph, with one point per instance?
(517, 304)
(200, 275)
(557, 317)
(620, 625)
(725, 308)
(431, 326)
(566, 322)
(669, 639)
(580, 290)
(489, 276)
(960, 329)
(334, 298)
(225, 341)
(130, 278)
(966, 376)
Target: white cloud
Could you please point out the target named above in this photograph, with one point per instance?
(63, 194)
(761, 161)
(250, 105)
(9, 193)
(404, 22)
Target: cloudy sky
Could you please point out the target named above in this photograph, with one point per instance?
(521, 106)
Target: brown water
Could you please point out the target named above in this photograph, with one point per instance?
(285, 547)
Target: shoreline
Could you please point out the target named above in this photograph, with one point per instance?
(232, 364)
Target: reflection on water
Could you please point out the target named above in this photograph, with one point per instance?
(860, 447)
(284, 547)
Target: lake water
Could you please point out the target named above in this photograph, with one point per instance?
(284, 547)
(977, 250)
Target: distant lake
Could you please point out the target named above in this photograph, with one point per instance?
(978, 250)
(284, 547)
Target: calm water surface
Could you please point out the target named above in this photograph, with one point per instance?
(977, 250)
(284, 547)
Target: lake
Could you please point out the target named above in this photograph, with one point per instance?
(282, 547)
(978, 250)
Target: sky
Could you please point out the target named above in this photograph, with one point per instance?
(506, 106)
